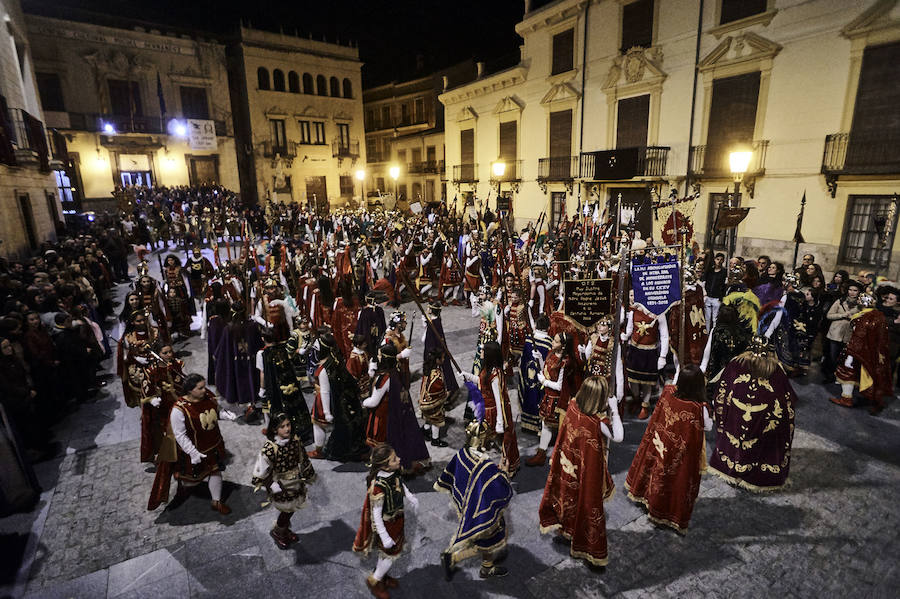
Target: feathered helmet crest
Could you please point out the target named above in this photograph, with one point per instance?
(759, 346)
(397, 317)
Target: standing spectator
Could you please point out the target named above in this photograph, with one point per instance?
(714, 282)
(839, 330)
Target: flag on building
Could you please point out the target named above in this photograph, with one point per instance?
(798, 235)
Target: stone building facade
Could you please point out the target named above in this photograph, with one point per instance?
(30, 211)
(631, 98)
(132, 106)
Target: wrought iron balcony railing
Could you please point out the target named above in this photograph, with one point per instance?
(287, 149)
(28, 138)
(345, 148)
(465, 173)
(712, 160)
(625, 163)
(558, 168)
(859, 154)
(511, 172)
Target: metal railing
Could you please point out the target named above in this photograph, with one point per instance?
(374, 157)
(28, 137)
(651, 161)
(855, 154)
(287, 149)
(512, 171)
(86, 121)
(557, 168)
(712, 160)
(343, 148)
(465, 173)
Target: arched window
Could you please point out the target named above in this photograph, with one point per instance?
(262, 78)
(308, 84)
(321, 85)
(335, 87)
(278, 80)
(293, 83)
(348, 89)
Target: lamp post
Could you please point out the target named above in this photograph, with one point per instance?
(394, 172)
(361, 177)
(739, 161)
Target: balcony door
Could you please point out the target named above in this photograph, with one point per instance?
(467, 154)
(635, 203)
(632, 118)
(732, 119)
(875, 133)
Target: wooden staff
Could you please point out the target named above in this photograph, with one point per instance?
(416, 299)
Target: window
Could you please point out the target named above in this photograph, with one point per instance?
(557, 208)
(335, 87)
(631, 122)
(404, 114)
(293, 82)
(637, 25)
(561, 133)
(416, 191)
(386, 116)
(732, 118)
(420, 110)
(416, 155)
(193, 102)
(279, 140)
(508, 141)
(304, 132)
(278, 80)
(321, 85)
(344, 134)
(124, 97)
(348, 89)
(371, 150)
(50, 90)
(371, 119)
(346, 183)
(380, 183)
(563, 51)
(401, 156)
(401, 191)
(262, 78)
(308, 84)
(733, 10)
(876, 113)
(318, 132)
(866, 223)
(64, 187)
(467, 154)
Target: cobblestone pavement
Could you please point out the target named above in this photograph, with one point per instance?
(833, 532)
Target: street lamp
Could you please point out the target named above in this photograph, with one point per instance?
(394, 172)
(739, 159)
(361, 177)
(498, 169)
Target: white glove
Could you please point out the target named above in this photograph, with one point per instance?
(275, 488)
(541, 378)
(537, 355)
(329, 418)
(531, 303)
(849, 362)
(413, 501)
(387, 544)
(155, 401)
(195, 459)
(262, 392)
(499, 427)
(660, 363)
(373, 366)
(424, 321)
(369, 403)
(405, 353)
(140, 360)
(581, 349)
(468, 376)
(624, 337)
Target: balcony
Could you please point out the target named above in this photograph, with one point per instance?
(427, 167)
(859, 154)
(344, 148)
(512, 172)
(95, 122)
(374, 157)
(711, 161)
(465, 173)
(624, 163)
(286, 150)
(557, 168)
(28, 139)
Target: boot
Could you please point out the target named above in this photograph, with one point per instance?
(218, 506)
(847, 402)
(645, 413)
(447, 564)
(377, 587)
(492, 572)
(316, 454)
(280, 537)
(538, 459)
(390, 582)
(438, 442)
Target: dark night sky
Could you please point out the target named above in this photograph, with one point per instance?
(390, 33)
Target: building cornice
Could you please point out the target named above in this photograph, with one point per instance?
(550, 15)
(486, 85)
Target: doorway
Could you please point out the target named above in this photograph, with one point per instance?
(28, 218)
(637, 205)
(204, 169)
(317, 194)
(139, 178)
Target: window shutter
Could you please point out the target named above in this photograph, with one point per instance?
(563, 51)
(631, 122)
(467, 146)
(637, 25)
(560, 133)
(732, 118)
(508, 140)
(877, 109)
(50, 90)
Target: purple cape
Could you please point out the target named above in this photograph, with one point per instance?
(403, 432)
(213, 335)
(237, 378)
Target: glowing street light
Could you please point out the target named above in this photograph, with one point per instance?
(360, 175)
(180, 130)
(394, 172)
(109, 129)
(498, 168)
(740, 162)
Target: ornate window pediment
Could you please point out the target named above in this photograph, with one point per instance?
(746, 47)
(343, 116)
(508, 104)
(310, 112)
(638, 66)
(560, 92)
(884, 14)
(466, 113)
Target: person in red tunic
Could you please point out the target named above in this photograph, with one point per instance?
(665, 474)
(556, 377)
(382, 520)
(865, 361)
(579, 480)
(450, 278)
(433, 396)
(344, 315)
(695, 333)
(358, 365)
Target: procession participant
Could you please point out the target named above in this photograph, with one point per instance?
(358, 366)
(338, 387)
(175, 277)
(579, 480)
(473, 272)
(599, 355)
(391, 416)
(201, 449)
(394, 335)
(200, 271)
(497, 410)
(426, 271)
(530, 390)
(888, 305)
(450, 279)
(695, 332)
(433, 338)
(179, 312)
(538, 301)
(865, 360)
(664, 476)
(133, 359)
(754, 416)
(283, 469)
(382, 520)
(370, 323)
(273, 311)
(516, 319)
(279, 385)
(433, 396)
(154, 304)
(236, 375)
(727, 340)
(556, 377)
(487, 326)
(219, 312)
(648, 344)
(344, 315)
(481, 492)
